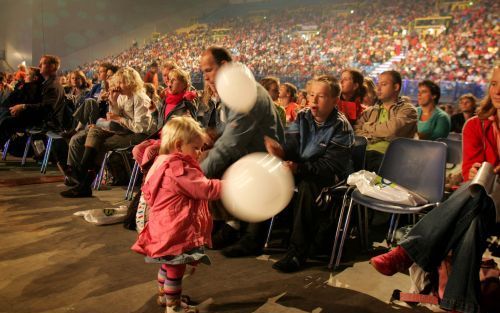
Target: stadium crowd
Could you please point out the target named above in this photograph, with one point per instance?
(276, 46)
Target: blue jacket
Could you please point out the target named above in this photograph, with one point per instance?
(95, 91)
(323, 153)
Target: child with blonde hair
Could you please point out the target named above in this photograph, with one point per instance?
(179, 226)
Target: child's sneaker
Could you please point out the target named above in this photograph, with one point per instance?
(177, 306)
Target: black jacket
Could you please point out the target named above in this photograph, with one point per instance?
(50, 108)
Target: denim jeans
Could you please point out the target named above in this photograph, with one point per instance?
(461, 225)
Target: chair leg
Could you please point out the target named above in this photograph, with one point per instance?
(46, 156)
(395, 228)
(5, 150)
(131, 182)
(365, 227)
(98, 179)
(391, 223)
(123, 154)
(337, 231)
(268, 237)
(361, 228)
(344, 235)
(26, 149)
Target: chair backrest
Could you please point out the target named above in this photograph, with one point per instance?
(359, 153)
(455, 136)
(418, 165)
(454, 150)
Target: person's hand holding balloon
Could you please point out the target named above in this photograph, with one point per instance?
(273, 147)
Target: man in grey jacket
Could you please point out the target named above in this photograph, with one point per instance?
(243, 134)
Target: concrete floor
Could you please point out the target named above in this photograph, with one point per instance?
(52, 261)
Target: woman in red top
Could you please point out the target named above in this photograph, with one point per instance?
(481, 136)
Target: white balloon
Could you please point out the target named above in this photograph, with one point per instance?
(236, 87)
(257, 187)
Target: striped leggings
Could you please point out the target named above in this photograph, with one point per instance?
(170, 281)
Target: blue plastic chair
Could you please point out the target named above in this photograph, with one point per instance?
(133, 179)
(123, 153)
(455, 136)
(51, 136)
(419, 166)
(358, 158)
(454, 151)
(5, 150)
(30, 133)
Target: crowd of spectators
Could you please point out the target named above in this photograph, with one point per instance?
(276, 44)
(464, 52)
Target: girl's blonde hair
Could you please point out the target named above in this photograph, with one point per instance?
(180, 75)
(486, 108)
(129, 77)
(183, 128)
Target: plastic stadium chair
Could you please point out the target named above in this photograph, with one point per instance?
(455, 136)
(133, 179)
(51, 136)
(417, 165)
(454, 151)
(123, 153)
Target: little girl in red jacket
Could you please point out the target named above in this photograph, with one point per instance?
(179, 226)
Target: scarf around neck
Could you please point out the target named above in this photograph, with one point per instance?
(172, 101)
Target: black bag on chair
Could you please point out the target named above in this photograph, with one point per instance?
(118, 172)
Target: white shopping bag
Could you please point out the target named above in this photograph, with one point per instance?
(372, 185)
(104, 216)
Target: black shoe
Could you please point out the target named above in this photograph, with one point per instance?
(244, 247)
(77, 192)
(289, 263)
(224, 237)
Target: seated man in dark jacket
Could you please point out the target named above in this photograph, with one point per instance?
(49, 109)
(318, 152)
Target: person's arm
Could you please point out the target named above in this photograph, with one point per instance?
(231, 145)
(193, 184)
(472, 147)
(358, 126)
(334, 162)
(405, 118)
(49, 97)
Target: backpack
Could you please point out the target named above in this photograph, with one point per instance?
(433, 292)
